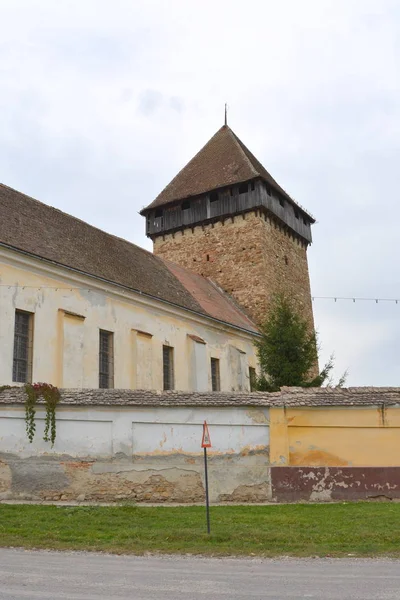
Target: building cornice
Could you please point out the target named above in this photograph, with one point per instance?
(69, 274)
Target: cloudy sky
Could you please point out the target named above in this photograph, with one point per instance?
(101, 103)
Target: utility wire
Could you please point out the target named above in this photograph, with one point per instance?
(355, 299)
(72, 288)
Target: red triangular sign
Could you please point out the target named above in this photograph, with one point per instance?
(206, 441)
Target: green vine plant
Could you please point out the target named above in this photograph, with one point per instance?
(51, 397)
(30, 411)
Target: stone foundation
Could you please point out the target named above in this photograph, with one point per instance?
(174, 478)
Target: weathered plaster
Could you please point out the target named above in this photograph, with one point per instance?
(343, 436)
(143, 454)
(150, 450)
(68, 312)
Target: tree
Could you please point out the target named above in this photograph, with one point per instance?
(288, 351)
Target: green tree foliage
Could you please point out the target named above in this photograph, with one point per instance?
(288, 351)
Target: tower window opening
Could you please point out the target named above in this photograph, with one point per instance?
(305, 221)
(159, 214)
(252, 186)
(296, 214)
(186, 205)
(268, 190)
(281, 202)
(286, 260)
(208, 257)
(231, 191)
(243, 188)
(213, 196)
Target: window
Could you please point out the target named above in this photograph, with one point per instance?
(296, 213)
(159, 214)
(253, 379)
(23, 346)
(268, 190)
(281, 202)
(243, 188)
(168, 367)
(252, 186)
(106, 359)
(213, 196)
(215, 378)
(186, 205)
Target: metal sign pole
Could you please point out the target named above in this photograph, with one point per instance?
(206, 443)
(206, 481)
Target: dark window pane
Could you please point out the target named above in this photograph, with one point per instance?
(106, 360)
(215, 378)
(22, 344)
(168, 367)
(253, 379)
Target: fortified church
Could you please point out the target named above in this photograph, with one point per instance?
(82, 308)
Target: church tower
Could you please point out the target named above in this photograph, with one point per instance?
(224, 217)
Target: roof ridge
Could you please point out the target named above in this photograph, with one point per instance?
(259, 167)
(224, 161)
(240, 146)
(184, 167)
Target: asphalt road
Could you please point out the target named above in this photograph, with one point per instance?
(84, 576)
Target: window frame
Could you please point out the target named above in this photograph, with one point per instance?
(252, 378)
(215, 374)
(108, 355)
(28, 358)
(168, 367)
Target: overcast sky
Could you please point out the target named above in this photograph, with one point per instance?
(101, 103)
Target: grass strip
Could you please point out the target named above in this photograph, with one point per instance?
(359, 529)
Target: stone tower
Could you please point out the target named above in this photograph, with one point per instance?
(224, 217)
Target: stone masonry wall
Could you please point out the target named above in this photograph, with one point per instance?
(249, 256)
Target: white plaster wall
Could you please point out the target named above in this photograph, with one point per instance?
(103, 432)
(200, 367)
(72, 351)
(66, 348)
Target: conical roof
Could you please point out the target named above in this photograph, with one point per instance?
(223, 161)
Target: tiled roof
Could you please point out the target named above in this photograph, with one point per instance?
(290, 397)
(211, 298)
(223, 161)
(33, 227)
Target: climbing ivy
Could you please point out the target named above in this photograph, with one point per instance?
(51, 397)
(30, 411)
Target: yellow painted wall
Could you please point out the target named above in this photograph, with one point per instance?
(335, 436)
(69, 310)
